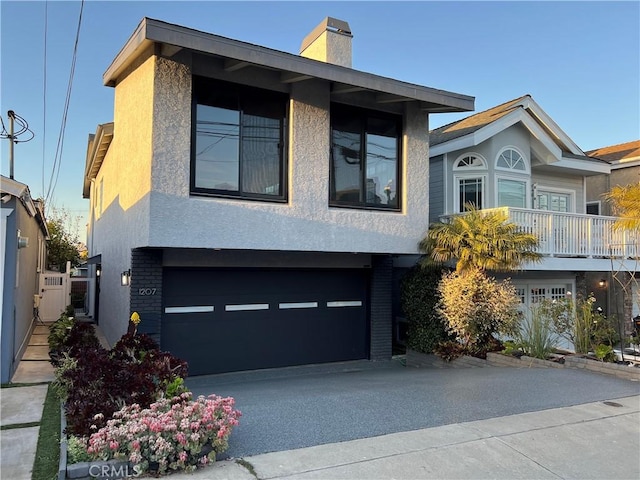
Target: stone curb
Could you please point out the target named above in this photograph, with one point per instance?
(422, 360)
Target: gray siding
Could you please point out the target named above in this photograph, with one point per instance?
(436, 188)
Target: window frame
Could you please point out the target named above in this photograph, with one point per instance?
(240, 90)
(592, 203)
(469, 176)
(363, 114)
(521, 179)
(525, 161)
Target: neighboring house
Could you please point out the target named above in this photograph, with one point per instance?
(253, 199)
(23, 250)
(514, 156)
(624, 160)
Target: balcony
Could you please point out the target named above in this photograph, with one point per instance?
(575, 235)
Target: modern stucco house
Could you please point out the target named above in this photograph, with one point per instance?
(23, 250)
(255, 198)
(624, 159)
(514, 156)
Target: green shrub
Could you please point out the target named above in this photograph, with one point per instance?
(70, 311)
(475, 307)
(59, 331)
(419, 297)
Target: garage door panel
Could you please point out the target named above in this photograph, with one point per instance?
(264, 318)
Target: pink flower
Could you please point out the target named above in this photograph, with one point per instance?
(113, 445)
(183, 456)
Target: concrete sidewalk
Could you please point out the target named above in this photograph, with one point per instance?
(591, 441)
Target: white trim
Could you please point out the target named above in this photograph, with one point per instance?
(543, 188)
(287, 306)
(190, 309)
(516, 178)
(593, 202)
(504, 122)
(592, 167)
(345, 303)
(526, 161)
(456, 188)
(246, 307)
(467, 169)
(544, 119)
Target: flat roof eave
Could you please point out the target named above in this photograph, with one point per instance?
(151, 31)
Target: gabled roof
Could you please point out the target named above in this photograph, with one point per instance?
(623, 153)
(551, 145)
(473, 123)
(170, 39)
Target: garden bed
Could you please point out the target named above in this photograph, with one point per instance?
(422, 360)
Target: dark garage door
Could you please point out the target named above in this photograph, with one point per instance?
(244, 319)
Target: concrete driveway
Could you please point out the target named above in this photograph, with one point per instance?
(306, 406)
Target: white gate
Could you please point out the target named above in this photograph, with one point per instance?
(55, 293)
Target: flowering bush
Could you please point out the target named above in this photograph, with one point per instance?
(171, 434)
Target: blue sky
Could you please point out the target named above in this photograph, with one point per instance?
(579, 60)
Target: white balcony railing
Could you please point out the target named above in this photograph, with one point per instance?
(575, 235)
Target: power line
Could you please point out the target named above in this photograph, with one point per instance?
(44, 92)
(57, 161)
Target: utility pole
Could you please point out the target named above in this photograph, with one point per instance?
(12, 116)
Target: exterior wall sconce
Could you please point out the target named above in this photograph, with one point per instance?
(98, 272)
(602, 283)
(125, 278)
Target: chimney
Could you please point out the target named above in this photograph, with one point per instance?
(329, 42)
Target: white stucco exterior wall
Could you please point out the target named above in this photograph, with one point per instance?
(125, 181)
(305, 222)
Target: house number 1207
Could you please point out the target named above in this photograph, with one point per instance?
(146, 291)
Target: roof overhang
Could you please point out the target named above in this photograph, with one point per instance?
(96, 151)
(173, 38)
(543, 145)
(35, 208)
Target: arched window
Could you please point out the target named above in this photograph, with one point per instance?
(469, 181)
(511, 188)
(469, 162)
(510, 159)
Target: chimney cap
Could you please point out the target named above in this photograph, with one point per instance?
(328, 24)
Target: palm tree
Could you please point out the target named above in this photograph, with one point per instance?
(625, 201)
(478, 239)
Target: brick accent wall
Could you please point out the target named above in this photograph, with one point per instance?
(381, 309)
(146, 290)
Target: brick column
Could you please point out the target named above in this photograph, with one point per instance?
(381, 310)
(146, 290)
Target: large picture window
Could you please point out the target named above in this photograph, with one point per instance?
(365, 158)
(239, 141)
(512, 193)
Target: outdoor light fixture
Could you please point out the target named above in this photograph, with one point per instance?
(98, 271)
(602, 283)
(125, 278)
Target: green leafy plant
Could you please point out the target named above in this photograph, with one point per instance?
(419, 297)
(59, 331)
(77, 449)
(605, 353)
